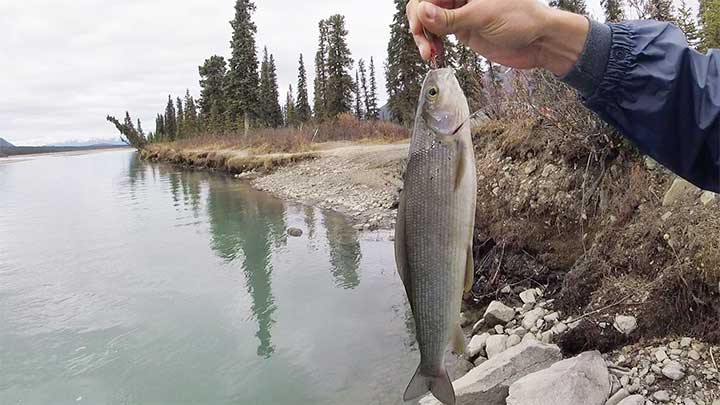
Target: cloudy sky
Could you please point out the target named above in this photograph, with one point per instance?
(67, 64)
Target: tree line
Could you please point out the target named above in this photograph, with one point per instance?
(242, 92)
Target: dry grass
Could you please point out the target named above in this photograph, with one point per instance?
(291, 140)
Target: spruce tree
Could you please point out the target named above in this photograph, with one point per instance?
(276, 119)
(302, 106)
(661, 10)
(242, 78)
(170, 120)
(320, 85)
(212, 93)
(190, 118)
(358, 97)
(338, 94)
(364, 88)
(470, 75)
(574, 6)
(687, 22)
(139, 128)
(263, 102)
(613, 10)
(710, 19)
(160, 128)
(371, 100)
(289, 109)
(404, 69)
(180, 118)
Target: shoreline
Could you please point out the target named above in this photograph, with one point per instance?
(359, 181)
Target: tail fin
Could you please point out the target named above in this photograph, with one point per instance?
(440, 386)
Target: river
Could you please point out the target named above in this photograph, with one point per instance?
(124, 282)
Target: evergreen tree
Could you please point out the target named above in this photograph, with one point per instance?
(302, 106)
(320, 85)
(371, 99)
(159, 128)
(180, 118)
(190, 118)
(362, 82)
(276, 118)
(661, 10)
(574, 6)
(470, 75)
(404, 69)
(170, 120)
(289, 110)
(212, 94)
(339, 89)
(128, 133)
(241, 86)
(710, 18)
(687, 22)
(139, 128)
(269, 113)
(613, 10)
(358, 97)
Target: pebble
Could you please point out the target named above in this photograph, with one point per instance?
(660, 355)
(495, 345)
(650, 379)
(528, 296)
(513, 340)
(694, 355)
(499, 329)
(662, 396)
(617, 397)
(673, 371)
(625, 324)
(685, 342)
(477, 344)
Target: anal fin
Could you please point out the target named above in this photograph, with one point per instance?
(458, 340)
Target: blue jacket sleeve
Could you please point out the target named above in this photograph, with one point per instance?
(664, 96)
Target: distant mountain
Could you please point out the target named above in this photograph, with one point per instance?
(5, 144)
(90, 142)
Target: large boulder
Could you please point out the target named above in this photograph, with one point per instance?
(489, 382)
(583, 379)
(633, 400)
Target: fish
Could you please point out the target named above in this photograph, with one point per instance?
(434, 228)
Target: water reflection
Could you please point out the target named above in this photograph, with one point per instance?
(344, 250)
(246, 226)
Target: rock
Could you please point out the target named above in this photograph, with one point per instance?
(633, 400)
(477, 344)
(513, 340)
(666, 216)
(528, 296)
(660, 355)
(661, 396)
(560, 328)
(685, 342)
(618, 397)
(480, 360)
(531, 317)
(707, 197)
(694, 355)
(673, 371)
(583, 379)
(506, 290)
(296, 232)
(489, 382)
(499, 329)
(531, 167)
(549, 168)
(650, 379)
(546, 337)
(495, 345)
(552, 317)
(498, 313)
(679, 189)
(625, 324)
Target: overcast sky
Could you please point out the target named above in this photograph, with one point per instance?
(67, 64)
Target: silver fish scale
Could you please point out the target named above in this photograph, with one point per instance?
(436, 263)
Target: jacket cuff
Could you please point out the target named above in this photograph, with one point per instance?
(589, 70)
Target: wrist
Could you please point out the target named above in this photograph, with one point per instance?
(562, 40)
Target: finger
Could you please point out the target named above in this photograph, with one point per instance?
(440, 20)
(423, 45)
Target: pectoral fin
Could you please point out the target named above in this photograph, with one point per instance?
(458, 339)
(469, 270)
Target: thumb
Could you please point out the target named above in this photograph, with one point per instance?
(441, 21)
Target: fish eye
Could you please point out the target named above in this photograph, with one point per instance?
(433, 92)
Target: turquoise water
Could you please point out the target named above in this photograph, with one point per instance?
(123, 282)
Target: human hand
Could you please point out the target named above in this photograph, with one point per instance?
(517, 33)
